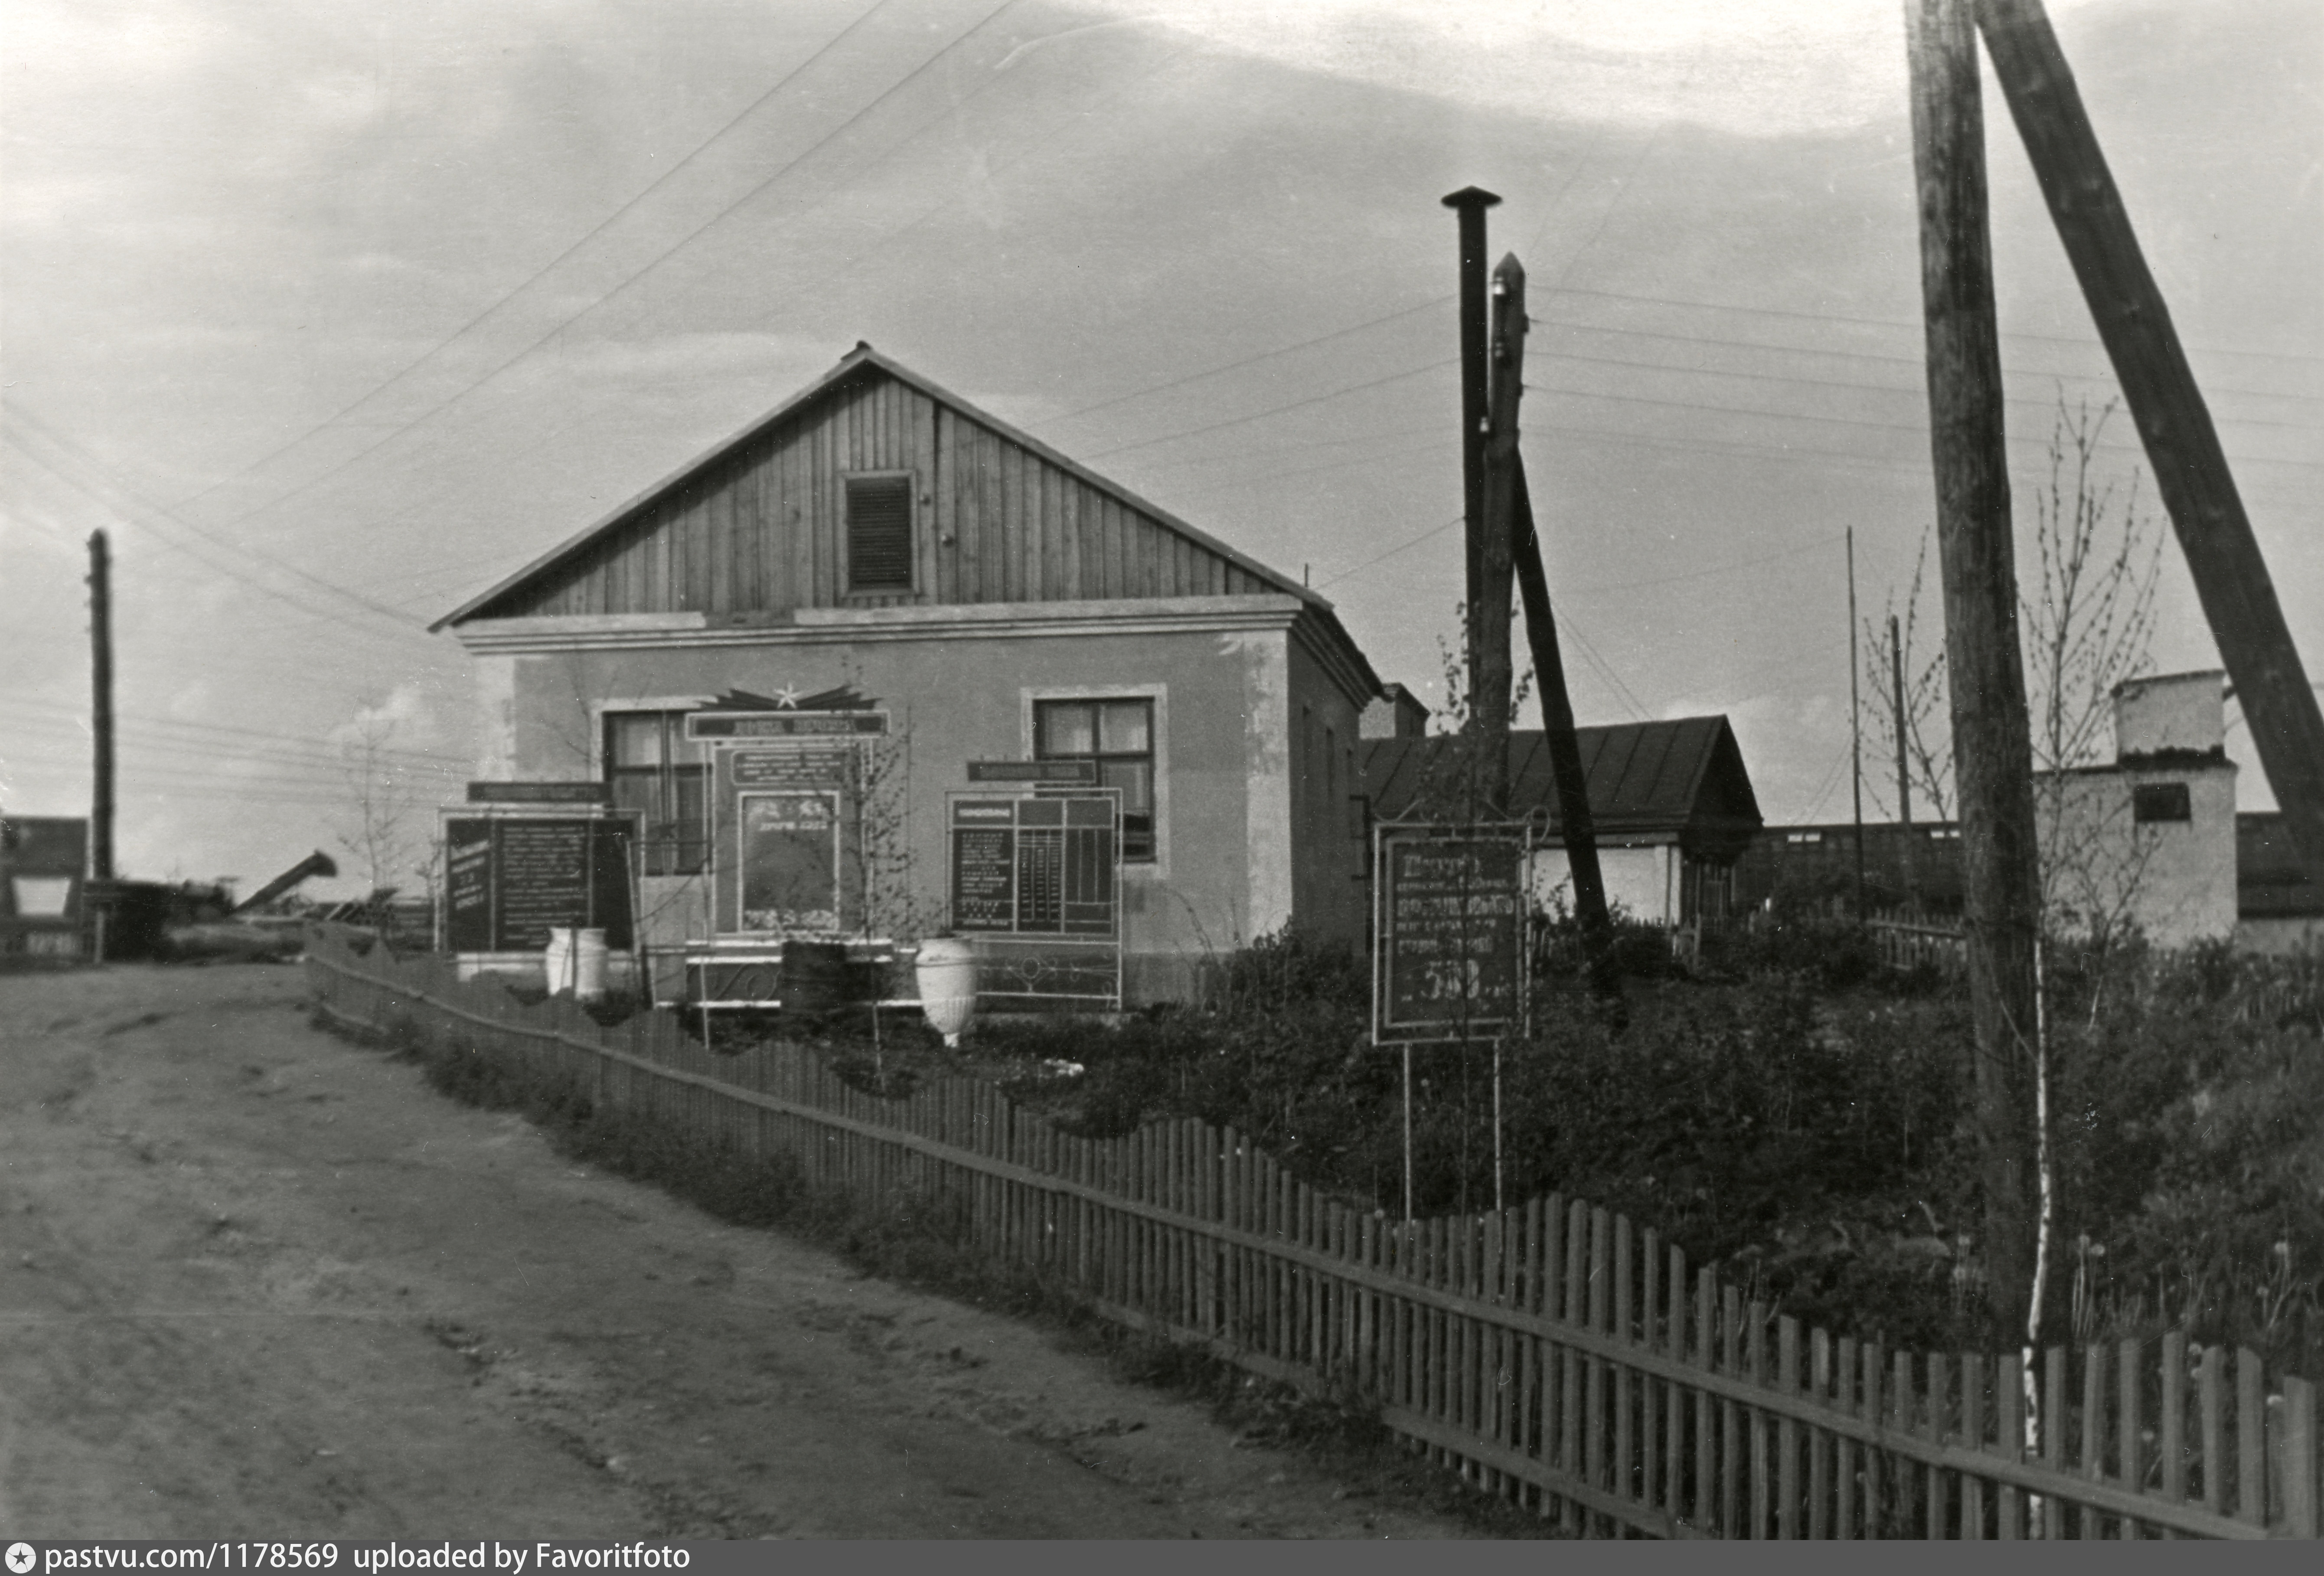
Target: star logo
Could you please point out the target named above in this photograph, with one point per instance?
(21, 1558)
(788, 697)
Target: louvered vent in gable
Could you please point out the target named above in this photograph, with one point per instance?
(880, 533)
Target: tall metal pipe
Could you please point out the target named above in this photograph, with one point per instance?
(1469, 203)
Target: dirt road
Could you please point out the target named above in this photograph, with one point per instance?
(256, 1282)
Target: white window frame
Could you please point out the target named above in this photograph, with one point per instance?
(1158, 867)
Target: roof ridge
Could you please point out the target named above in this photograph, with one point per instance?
(863, 356)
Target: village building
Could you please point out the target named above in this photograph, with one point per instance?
(1671, 805)
(2150, 841)
(932, 588)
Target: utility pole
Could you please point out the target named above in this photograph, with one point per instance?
(1855, 725)
(1992, 743)
(2191, 468)
(1485, 633)
(1903, 770)
(1509, 504)
(1498, 542)
(100, 642)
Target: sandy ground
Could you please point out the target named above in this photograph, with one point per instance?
(257, 1282)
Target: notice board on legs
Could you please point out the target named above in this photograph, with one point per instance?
(1036, 882)
(513, 873)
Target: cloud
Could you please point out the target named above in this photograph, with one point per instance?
(1762, 67)
(401, 718)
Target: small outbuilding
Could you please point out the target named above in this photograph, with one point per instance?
(1670, 804)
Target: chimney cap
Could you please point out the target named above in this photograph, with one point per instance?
(1471, 196)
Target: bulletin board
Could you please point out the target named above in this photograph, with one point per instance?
(510, 876)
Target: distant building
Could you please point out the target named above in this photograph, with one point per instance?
(2152, 838)
(1670, 804)
(878, 543)
(1396, 714)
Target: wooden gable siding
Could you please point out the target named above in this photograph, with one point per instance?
(761, 527)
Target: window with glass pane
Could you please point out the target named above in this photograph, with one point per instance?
(654, 771)
(1118, 736)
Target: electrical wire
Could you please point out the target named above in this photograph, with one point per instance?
(436, 410)
(1279, 410)
(155, 510)
(599, 229)
(2089, 343)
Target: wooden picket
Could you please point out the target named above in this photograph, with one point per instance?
(1556, 1355)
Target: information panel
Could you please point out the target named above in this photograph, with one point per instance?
(1037, 865)
(510, 878)
(788, 859)
(1448, 935)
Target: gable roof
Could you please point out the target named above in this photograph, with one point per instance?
(857, 364)
(1682, 777)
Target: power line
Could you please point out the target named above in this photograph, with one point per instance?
(1402, 547)
(1605, 669)
(672, 250)
(886, 239)
(1253, 360)
(1921, 430)
(1911, 393)
(73, 448)
(1725, 568)
(1377, 457)
(2091, 343)
(545, 269)
(148, 720)
(1829, 781)
(1279, 410)
(1574, 325)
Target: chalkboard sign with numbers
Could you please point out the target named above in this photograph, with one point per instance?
(1037, 865)
(1448, 933)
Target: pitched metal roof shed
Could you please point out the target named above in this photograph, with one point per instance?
(1681, 780)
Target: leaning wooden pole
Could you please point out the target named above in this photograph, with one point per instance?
(1992, 742)
(2191, 468)
(1574, 824)
(1508, 504)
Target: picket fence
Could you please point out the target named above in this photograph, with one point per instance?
(1555, 1354)
(1907, 944)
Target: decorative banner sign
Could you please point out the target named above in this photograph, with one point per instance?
(541, 792)
(1448, 935)
(1048, 774)
(789, 768)
(717, 725)
(789, 861)
(509, 879)
(1044, 866)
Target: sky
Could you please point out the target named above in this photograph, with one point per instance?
(331, 315)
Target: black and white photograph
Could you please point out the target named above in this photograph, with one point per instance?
(1156, 770)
